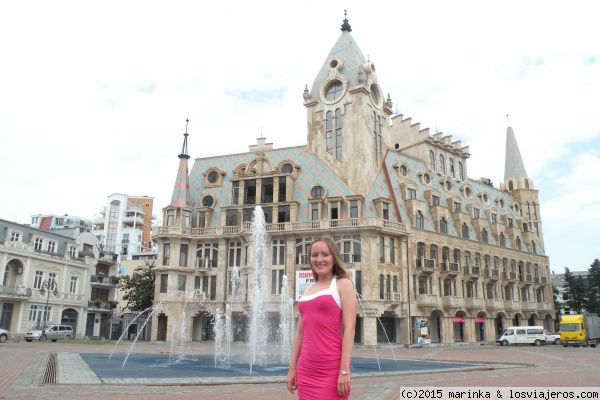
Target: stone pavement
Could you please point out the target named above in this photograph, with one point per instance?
(23, 368)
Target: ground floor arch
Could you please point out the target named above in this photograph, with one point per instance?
(480, 326)
(69, 317)
(459, 326)
(533, 319)
(499, 323)
(518, 319)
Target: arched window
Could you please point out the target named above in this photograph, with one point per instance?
(446, 257)
(431, 160)
(533, 247)
(388, 284)
(451, 167)
(487, 261)
(317, 192)
(457, 257)
(395, 284)
(465, 231)
(526, 183)
(510, 185)
(496, 263)
(433, 252)
(443, 226)
(461, 172)
(442, 164)
(484, 235)
(420, 250)
(518, 243)
(505, 266)
(502, 240)
(381, 287)
(419, 220)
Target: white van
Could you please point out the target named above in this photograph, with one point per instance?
(522, 335)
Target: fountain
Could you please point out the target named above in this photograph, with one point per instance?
(256, 354)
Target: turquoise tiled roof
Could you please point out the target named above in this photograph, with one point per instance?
(513, 162)
(181, 192)
(347, 51)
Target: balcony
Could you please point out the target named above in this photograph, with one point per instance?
(100, 280)
(528, 306)
(473, 303)
(475, 273)
(101, 305)
(544, 307)
(427, 265)
(381, 225)
(509, 276)
(16, 291)
(450, 268)
(494, 304)
(452, 302)
(393, 297)
(512, 305)
(136, 221)
(544, 280)
(427, 300)
(528, 279)
(494, 274)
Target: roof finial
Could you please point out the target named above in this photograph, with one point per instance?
(184, 148)
(346, 25)
(507, 120)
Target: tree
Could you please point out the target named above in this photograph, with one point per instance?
(139, 287)
(593, 288)
(557, 304)
(575, 291)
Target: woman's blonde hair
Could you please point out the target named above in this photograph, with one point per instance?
(339, 268)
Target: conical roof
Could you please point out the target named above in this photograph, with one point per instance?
(347, 51)
(513, 162)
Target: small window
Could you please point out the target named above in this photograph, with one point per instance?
(412, 194)
(443, 226)
(208, 201)
(317, 192)
(375, 94)
(334, 90)
(213, 177)
(287, 168)
(426, 178)
(403, 170)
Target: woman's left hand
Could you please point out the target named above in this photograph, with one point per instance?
(343, 385)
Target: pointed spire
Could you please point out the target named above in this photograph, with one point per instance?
(181, 191)
(184, 148)
(513, 163)
(346, 25)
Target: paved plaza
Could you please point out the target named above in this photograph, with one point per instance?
(82, 370)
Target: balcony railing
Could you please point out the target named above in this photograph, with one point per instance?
(393, 296)
(19, 291)
(426, 264)
(246, 227)
(473, 303)
(450, 268)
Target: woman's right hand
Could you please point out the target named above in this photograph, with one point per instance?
(291, 380)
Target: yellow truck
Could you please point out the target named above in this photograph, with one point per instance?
(580, 330)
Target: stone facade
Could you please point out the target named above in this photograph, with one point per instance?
(437, 256)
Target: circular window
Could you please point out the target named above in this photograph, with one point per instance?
(426, 178)
(467, 192)
(213, 176)
(485, 198)
(333, 64)
(287, 168)
(334, 90)
(403, 170)
(375, 94)
(448, 185)
(208, 201)
(317, 192)
(501, 203)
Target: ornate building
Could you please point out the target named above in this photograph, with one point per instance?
(436, 256)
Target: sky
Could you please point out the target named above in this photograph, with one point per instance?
(94, 95)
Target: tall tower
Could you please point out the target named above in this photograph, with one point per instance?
(348, 116)
(179, 211)
(518, 183)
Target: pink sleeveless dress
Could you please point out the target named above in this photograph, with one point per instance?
(319, 363)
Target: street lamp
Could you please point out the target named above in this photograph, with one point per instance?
(48, 286)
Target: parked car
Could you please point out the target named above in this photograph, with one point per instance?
(52, 332)
(553, 338)
(4, 335)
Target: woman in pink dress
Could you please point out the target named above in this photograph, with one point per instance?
(320, 361)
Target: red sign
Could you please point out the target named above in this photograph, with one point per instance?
(458, 319)
(479, 320)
